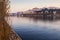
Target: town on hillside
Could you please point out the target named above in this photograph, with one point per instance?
(50, 12)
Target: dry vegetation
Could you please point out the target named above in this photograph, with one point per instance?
(6, 33)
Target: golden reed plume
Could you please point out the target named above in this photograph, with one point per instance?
(6, 32)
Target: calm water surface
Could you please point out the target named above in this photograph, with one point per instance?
(35, 29)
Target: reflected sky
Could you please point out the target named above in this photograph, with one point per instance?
(35, 29)
(22, 5)
(31, 21)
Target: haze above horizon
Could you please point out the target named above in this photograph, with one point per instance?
(22, 5)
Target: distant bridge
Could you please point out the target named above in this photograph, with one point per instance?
(38, 14)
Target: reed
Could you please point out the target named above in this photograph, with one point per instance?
(6, 32)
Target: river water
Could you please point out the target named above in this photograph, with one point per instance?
(35, 29)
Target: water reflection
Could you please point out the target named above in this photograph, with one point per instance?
(36, 29)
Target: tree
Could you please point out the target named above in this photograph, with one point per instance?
(6, 32)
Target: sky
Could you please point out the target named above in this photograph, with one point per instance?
(22, 5)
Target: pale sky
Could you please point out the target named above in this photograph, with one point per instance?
(22, 5)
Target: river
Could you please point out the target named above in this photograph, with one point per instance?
(35, 29)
